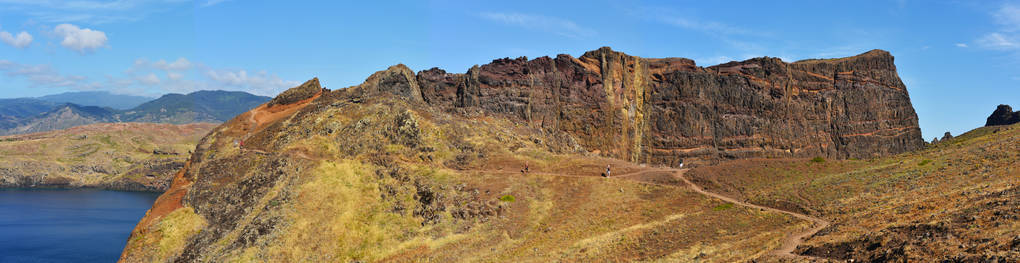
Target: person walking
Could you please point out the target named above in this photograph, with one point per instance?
(607, 171)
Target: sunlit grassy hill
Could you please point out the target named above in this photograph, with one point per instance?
(130, 156)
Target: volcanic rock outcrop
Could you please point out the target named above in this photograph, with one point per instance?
(663, 111)
(1003, 115)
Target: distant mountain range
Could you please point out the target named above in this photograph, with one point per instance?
(97, 98)
(61, 111)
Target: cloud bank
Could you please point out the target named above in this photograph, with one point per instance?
(21, 40)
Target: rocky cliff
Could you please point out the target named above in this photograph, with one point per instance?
(663, 111)
(407, 166)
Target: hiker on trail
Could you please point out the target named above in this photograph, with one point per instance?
(607, 171)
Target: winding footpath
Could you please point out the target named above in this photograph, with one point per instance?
(791, 241)
(789, 244)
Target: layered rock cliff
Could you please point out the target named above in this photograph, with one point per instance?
(663, 111)
(405, 164)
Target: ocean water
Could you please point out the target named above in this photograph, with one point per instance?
(83, 225)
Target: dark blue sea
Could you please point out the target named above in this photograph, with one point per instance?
(84, 225)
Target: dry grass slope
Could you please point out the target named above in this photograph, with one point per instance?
(384, 181)
(126, 156)
(954, 201)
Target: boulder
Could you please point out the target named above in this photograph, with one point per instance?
(946, 137)
(1003, 115)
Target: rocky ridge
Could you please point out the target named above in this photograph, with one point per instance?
(663, 111)
(403, 152)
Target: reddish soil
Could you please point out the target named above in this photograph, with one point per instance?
(168, 201)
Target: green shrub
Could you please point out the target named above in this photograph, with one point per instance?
(818, 160)
(723, 207)
(925, 161)
(507, 198)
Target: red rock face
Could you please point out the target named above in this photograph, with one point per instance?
(663, 111)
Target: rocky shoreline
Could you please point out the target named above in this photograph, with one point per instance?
(150, 176)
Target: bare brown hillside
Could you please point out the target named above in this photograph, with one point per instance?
(123, 156)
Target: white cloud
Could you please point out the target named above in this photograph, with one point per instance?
(998, 41)
(261, 82)
(150, 79)
(90, 11)
(145, 79)
(1007, 36)
(174, 76)
(553, 25)
(21, 40)
(963, 45)
(82, 40)
(1008, 16)
(209, 3)
(43, 76)
(704, 26)
(177, 65)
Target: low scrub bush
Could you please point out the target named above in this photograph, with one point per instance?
(723, 207)
(507, 198)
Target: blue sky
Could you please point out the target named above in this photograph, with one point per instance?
(959, 59)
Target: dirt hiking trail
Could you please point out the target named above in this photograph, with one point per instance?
(791, 241)
(785, 250)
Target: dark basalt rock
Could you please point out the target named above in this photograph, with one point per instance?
(1003, 115)
(665, 110)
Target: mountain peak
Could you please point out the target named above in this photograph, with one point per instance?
(97, 98)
